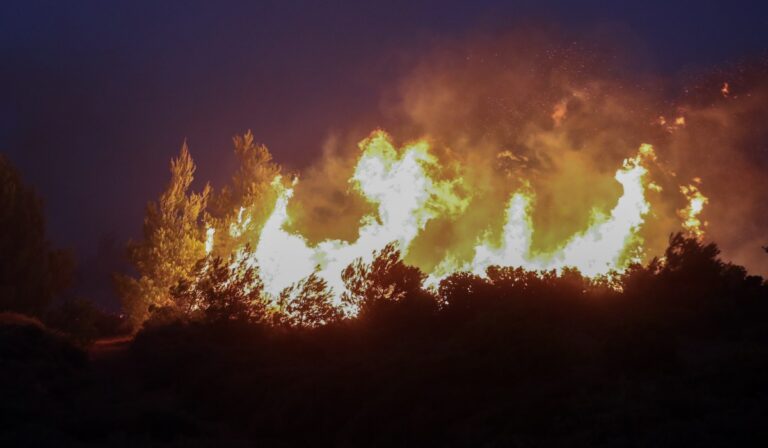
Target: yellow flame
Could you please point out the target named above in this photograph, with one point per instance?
(690, 214)
(602, 248)
(516, 241)
(210, 232)
(405, 196)
(407, 189)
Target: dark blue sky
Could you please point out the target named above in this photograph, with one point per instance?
(97, 96)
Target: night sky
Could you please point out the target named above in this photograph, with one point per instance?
(97, 96)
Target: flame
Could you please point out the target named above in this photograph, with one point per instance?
(408, 188)
(601, 248)
(677, 123)
(210, 233)
(406, 198)
(692, 223)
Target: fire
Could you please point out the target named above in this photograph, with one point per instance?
(725, 90)
(677, 123)
(605, 246)
(405, 194)
(409, 188)
(691, 213)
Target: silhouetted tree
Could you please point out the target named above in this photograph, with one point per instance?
(308, 303)
(690, 270)
(174, 241)
(638, 279)
(31, 271)
(386, 280)
(459, 291)
(687, 256)
(221, 291)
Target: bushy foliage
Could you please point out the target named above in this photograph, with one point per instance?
(308, 303)
(83, 322)
(32, 272)
(691, 269)
(174, 237)
(249, 193)
(174, 241)
(222, 291)
(32, 356)
(510, 358)
(386, 280)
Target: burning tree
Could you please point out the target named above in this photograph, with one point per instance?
(411, 195)
(238, 210)
(174, 241)
(180, 229)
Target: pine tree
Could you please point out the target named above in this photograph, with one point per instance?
(248, 199)
(173, 243)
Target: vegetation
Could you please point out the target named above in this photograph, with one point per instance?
(35, 276)
(172, 250)
(173, 243)
(676, 355)
(670, 353)
(250, 189)
(32, 272)
(222, 291)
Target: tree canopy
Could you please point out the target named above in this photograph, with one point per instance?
(173, 243)
(32, 271)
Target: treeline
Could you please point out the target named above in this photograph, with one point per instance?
(173, 243)
(35, 276)
(512, 359)
(666, 354)
(689, 275)
(178, 279)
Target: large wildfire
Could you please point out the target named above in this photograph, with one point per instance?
(499, 154)
(408, 189)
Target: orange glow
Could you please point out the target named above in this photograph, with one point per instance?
(692, 222)
(409, 188)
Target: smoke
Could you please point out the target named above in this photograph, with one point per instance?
(529, 111)
(725, 141)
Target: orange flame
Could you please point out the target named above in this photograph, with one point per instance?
(409, 189)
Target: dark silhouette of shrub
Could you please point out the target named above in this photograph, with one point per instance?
(35, 364)
(83, 321)
(509, 358)
(219, 291)
(308, 303)
(385, 286)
